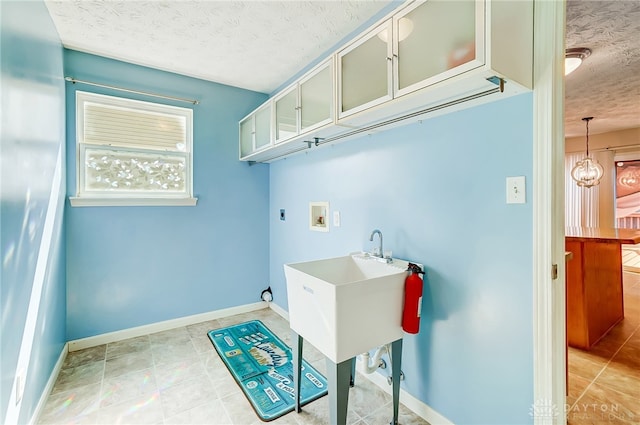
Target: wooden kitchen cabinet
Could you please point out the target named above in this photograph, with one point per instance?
(594, 282)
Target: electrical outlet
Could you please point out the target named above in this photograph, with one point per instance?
(516, 192)
(336, 219)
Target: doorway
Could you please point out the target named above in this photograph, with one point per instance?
(604, 381)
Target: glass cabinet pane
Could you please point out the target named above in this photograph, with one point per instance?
(433, 38)
(365, 71)
(263, 127)
(246, 136)
(286, 116)
(315, 98)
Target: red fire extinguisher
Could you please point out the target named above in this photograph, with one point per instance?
(412, 300)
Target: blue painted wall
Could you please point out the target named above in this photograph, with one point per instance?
(132, 266)
(435, 189)
(32, 146)
(437, 192)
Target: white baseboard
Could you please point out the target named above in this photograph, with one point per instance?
(416, 406)
(49, 387)
(281, 311)
(93, 341)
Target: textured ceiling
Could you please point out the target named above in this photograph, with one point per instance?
(256, 45)
(259, 45)
(607, 85)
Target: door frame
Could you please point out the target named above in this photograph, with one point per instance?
(549, 343)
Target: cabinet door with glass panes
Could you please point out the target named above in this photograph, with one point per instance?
(255, 131)
(364, 71)
(424, 43)
(316, 98)
(306, 106)
(286, 115)
(435, 40)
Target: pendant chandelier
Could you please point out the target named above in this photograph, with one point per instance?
(587, 172)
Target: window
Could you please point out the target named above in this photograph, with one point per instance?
(132, 152)
(581, 204)
(627, 192)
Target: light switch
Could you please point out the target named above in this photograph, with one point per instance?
(516, 192)
(336, 219)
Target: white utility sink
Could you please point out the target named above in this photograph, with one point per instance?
(347, 305)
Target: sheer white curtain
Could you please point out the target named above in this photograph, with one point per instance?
(581, 204)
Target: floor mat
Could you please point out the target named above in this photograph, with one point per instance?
(262, 366)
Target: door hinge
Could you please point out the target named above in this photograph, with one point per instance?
(554, 272)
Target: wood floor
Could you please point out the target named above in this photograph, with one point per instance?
(631, 258)
(604, 382)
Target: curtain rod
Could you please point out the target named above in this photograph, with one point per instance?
(106, 86)
(616, 148)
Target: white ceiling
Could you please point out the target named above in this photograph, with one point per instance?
(258, 45)
(607, 85)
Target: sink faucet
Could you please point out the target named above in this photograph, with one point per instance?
(381, 252)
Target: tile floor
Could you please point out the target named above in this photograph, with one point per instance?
(604, 383)
(176, 377)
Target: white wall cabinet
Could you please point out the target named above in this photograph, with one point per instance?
(316, 98)
(365, 70)
(424, 43)
(255, 131)
(436, 40)
(411, 64)
(286, 125)
(305, 106)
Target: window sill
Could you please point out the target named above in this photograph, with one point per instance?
(131, 202)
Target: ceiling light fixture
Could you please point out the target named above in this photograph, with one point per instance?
(630, 177)
(573, 58)
(588, 171)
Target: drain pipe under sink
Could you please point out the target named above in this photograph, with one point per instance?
(371, 365)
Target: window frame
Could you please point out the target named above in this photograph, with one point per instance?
(86, 197)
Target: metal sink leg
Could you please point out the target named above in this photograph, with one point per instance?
(338, 378)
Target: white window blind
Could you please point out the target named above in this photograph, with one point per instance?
(129, 149)
(116, 126)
